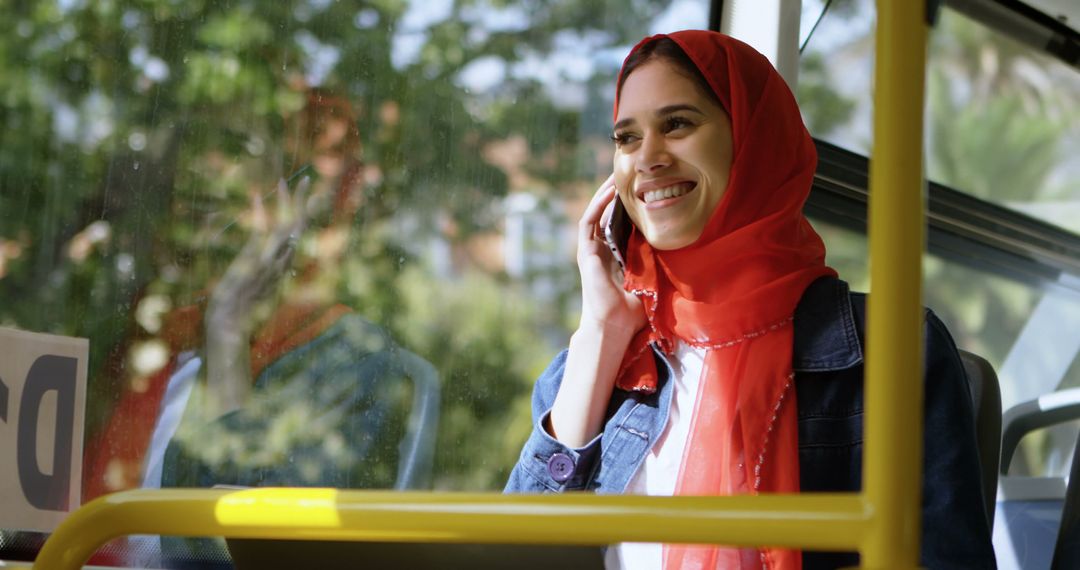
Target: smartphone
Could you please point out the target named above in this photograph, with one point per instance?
(617, 232)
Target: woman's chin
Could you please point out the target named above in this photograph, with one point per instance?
(670, 240)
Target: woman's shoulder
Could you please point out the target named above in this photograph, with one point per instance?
(830, 328)
(828, 325)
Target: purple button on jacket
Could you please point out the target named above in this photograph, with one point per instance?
(560, 467)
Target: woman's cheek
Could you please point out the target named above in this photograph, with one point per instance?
(623, 190)
(622, 168)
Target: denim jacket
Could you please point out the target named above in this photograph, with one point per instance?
(828, 365)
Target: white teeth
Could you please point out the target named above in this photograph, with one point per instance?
(668, 192)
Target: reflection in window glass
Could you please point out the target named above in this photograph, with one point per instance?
(375, 321)
(1003, 120)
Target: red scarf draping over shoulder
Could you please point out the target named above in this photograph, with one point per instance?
(733, 293)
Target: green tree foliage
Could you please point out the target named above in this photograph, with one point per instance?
(823, 108)
(134, 132)
(996, 131)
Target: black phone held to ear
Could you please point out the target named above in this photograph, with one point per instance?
(617, 232)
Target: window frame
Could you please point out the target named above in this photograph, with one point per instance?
(961, 228)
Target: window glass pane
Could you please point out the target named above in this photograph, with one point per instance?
(835, 70)
(1003, 119)
(1027, 334)
(378, 326)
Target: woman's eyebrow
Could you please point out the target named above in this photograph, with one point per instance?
(662, 111)
(676, 108)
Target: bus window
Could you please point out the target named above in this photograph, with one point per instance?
(1002, 141)
(1002, 121)
(375, 322)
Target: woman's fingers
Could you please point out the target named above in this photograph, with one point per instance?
(594, 211)
(600, 200)
(602, 294)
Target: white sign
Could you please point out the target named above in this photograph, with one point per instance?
(42, 412)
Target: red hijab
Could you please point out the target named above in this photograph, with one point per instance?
(733, 293)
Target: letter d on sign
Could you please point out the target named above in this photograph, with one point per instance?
(48, 491)
(42, 416)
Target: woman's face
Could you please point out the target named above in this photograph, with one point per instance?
(673, 153)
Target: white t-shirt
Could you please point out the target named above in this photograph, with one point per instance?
(658, 472)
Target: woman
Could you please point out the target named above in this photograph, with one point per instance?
(727, 358)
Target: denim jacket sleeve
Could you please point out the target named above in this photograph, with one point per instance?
(956, 531)
(532, 473)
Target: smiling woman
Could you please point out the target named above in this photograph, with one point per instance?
(673, 146)
(726, 358)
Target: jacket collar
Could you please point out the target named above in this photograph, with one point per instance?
(826, 333)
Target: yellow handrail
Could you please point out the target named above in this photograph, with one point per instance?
(892, 459)
(830, 521)
(883, 522)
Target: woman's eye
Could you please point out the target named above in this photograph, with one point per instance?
(675, 123)
(621, 139)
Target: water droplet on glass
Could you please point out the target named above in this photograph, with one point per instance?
(135, 166)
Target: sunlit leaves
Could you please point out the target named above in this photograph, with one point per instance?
(160, 118)
(235, 31)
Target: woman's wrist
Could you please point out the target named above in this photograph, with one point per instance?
(595, 355)
(604, 333)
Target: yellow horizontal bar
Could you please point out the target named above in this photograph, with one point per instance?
(4, 565)
(818, 521)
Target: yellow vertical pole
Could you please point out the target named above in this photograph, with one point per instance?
(892, 468)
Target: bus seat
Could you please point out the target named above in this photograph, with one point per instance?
(1067, 550)
(986, 397)
(1030, 508)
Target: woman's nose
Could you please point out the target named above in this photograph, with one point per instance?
(653, 154)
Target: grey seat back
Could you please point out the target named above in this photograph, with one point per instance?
(1067, 550)
(1032, 507)
(986, 400)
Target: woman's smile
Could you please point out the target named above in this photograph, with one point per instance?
(662, 197)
